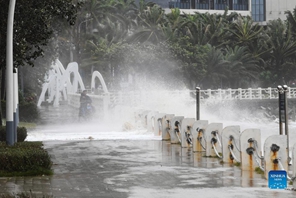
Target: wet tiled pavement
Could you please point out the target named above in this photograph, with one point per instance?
(122, 168)
(138, 168)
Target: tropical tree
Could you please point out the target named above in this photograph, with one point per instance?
(246, 33)
(242, 66)
(150, 26)
(193, 27)
(291, 21)
(215, 69)
(283, 47)
(172, 29)
(34, 25)
(215, 26)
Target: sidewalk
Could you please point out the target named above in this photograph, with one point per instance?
(138, 169)
(130, 165)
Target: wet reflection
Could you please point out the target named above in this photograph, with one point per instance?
(226, 174)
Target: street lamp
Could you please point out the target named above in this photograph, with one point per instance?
(10, 128)
(197, 89)
(283, 113)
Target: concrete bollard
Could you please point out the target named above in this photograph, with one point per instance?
(158, 123)
(144, 118)
(213, 139)
(175, 127)
(197, 131)
(186, 136)
(275, 153)
(231, 144)
(151, 121)
(166, 126)
(294, 165)
(137, 114)
(250, 146)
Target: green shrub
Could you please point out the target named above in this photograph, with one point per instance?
(21, 134)
(28, 111)
(23, 159)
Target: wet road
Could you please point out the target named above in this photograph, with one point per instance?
(138, 168)
(119, 167)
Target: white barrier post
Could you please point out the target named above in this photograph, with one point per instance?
(186, 136)
(197, 131)
(213, 139)
(144, 118)
(275, 153)
(294, 164)
(158, 124)
(151, 121)
(166, 126)
(175, 127)
(231, 144)
(250, 141)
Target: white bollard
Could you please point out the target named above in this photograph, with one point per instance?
(175, 127)
(213, 139)
(275, 153)
(137, 114)
(151, 121)
(166, 126)
(250, 141)
(144, 118)
(198, 129)
(231, 144)
(158, 124)
(294, 164)
(185, 132)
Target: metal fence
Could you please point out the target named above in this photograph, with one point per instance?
(134, 97)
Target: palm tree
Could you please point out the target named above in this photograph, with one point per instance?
(172, 29)
(283, 46)
(215, 69)
(242, 67)
(193, 26)
(150, 24)
(215, 28)
(291, 21)
(245, 32)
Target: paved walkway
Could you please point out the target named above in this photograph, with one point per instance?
(152, 169)
(138, 169)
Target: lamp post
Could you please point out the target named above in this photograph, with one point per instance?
(15, 103)
(10, 128)
(197, 103)
(281, 108)
(283, 113)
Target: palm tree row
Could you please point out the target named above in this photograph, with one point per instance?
(206, 50)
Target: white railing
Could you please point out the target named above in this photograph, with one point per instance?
(138, 97)
(165, 101)
(243, 94)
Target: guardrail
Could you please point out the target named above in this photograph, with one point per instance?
(165, 100)
(135, 97)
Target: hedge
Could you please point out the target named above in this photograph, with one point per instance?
(23, 159)
(21, 134)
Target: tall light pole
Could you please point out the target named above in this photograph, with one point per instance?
(15, 102)
(10, 132)
(197, 89)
